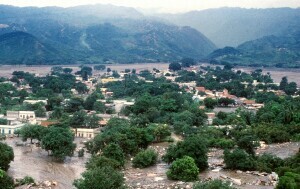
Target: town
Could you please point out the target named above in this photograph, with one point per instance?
(210, 118)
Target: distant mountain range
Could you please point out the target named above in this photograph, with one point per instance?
(234, 26)
(107, 33)
(93, 34)
(276, 51)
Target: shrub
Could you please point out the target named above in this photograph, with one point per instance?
(145, 158)
(239, 159)
(183, 169)
(213, 184)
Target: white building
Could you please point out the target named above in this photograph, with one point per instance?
(23, 116)
(9, 129)
(35, 101)
(86, 133)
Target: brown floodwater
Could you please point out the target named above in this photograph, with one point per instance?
(36, 163)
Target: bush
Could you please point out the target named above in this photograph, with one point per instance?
(145, 158)
(239, 160)
(183, 169)
(6, 182)
(213, 184)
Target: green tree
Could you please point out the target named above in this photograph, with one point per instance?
(283, 83)
(175, 66)
(74, 104)
(32, 132)
(67, 70)
(239, 160)
(187, 62)
(289, 181)
(78, 119)
(92, 121)
(248, 143)
(145, 158)
(101, 178)
(193, 146)
(115, 152)
(6, 182)
(210, 103)
(81, 88)
(115, 74)
(99, 67)
(291, 88)
(99, 107)
(160, 131)
(102, 161)
(183, 169)
(3, 121)
(58, 141)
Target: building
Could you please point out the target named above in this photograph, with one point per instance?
(110, 79)
(9, 129)
(22, 116)
(86, 133)
(35, 101)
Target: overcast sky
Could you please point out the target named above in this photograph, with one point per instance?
(162, 5)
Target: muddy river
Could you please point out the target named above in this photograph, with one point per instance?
(35, 162)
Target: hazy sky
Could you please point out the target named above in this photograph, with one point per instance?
(162, 5)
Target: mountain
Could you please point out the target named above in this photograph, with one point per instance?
(282, 51)
(23, 48)
(92, 34)
(234, 26)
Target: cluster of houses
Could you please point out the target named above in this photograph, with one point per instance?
(17, 119)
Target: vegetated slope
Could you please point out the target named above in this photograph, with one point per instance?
(283, 51)
(234, 26)
(84, 35)
(23, 48)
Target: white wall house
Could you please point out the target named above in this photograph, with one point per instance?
(9, 129)
(24, 116)
(86, 133)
